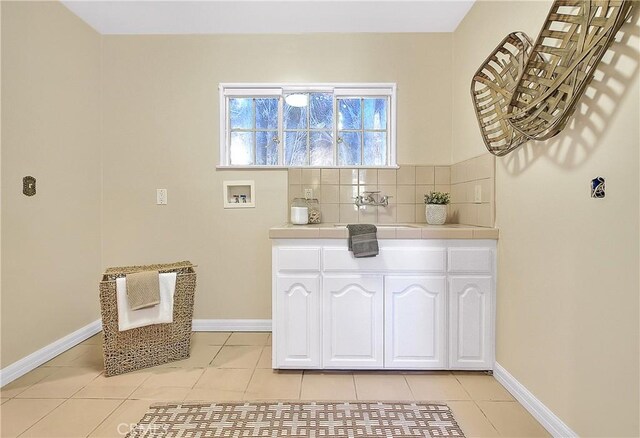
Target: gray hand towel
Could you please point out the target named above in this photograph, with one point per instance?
(143, 289)
(363, 241)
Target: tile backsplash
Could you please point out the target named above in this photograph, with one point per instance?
(407, 185)
(337, 188)
(469, 177)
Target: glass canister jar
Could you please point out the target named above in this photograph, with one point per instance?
(299, 211)
(315, 217)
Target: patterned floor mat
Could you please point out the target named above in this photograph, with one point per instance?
(297, 419)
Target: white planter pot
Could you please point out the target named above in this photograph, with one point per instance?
(436, 214)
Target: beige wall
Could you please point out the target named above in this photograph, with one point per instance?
(50, 130)
(161, 131)
(568, 287)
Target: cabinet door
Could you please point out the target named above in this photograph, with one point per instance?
(471, 322)
(352, 322)
(296, 339)
(415, 333)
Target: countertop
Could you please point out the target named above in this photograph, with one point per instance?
(385, 231)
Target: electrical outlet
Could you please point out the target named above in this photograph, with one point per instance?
(308, 193)
(161, 196)
(477, 198)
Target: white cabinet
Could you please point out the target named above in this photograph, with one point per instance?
(297, 317)
(420, 304)
(470, 322)
(415, 317)
(352, 322)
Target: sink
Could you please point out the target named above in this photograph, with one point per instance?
(380, 226)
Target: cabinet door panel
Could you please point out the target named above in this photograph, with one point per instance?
(415, 334)
(471, 322)
(352, 322)
(297, 343)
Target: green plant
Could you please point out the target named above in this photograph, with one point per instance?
(439, 198)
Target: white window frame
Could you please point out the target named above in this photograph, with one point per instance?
(227, 90)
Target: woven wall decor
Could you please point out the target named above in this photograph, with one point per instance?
(492, 88)
(557, 70)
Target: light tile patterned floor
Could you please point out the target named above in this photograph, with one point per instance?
(70, 397)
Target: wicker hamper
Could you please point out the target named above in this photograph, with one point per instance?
(155, 344)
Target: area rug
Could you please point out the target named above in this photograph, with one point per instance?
(297, 419)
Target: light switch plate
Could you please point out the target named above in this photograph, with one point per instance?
(477, 191)
(598, 187)
(161, 196)
(308, 193)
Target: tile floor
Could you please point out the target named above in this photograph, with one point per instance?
(70, 397)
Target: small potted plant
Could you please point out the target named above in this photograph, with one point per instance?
(436, 210)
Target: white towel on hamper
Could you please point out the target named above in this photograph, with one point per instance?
(160, 314)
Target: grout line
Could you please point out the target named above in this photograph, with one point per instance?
(43, 417)
(409, 386)
(215, 355)
(198, 379)
(304, 373)
(355, 387)
(301, 382)
(475, 402)
(246, 386)
(485, 416)
(248, 383)
(463, 387)
(105, 418)
(34, 383)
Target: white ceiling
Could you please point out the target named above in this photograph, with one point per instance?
(266, 16)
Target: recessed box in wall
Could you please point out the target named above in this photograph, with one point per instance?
(239, 194)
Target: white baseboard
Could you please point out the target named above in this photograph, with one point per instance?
(550, 421)
(231, 325)
(34, 360)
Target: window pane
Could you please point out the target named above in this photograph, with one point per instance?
(375, 148)
(375, 113)
(241, 148)
(349, 148)
(295, 148)
(321, 144)
(267, 113)
(295, 117)
(349, 114)
(241, 113)
(321, 107)
(266, 148)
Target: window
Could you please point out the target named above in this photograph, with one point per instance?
(321, 125)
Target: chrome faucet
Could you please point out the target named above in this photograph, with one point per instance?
(373, 199)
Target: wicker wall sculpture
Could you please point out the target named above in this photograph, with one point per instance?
(524, 92)
(492, 88)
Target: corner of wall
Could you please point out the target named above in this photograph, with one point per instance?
(62, 149)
